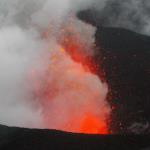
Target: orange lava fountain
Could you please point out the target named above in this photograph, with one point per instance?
(71, 96)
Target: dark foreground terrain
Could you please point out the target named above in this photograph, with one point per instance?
(32, 139)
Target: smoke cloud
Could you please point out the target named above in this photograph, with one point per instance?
(17, 50)
(129, 14)
(41, 86)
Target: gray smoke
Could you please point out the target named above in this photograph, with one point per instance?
(31, 63)
(129, 14)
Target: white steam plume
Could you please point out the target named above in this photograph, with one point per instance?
(23, 52)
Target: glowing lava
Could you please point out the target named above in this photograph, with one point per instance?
(71, 97)
(92, 124)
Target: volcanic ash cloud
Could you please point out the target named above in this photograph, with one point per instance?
(42, 86)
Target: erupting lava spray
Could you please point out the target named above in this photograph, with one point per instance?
(72, 97)
(51, 84)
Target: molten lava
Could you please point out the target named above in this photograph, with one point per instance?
(93, 125)
(71, 97)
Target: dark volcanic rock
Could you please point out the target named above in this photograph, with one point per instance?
(32, 139)
(124, 57)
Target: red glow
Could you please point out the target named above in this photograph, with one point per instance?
(89, 123)
(76, 50)
(78, 67)
(93, 125)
